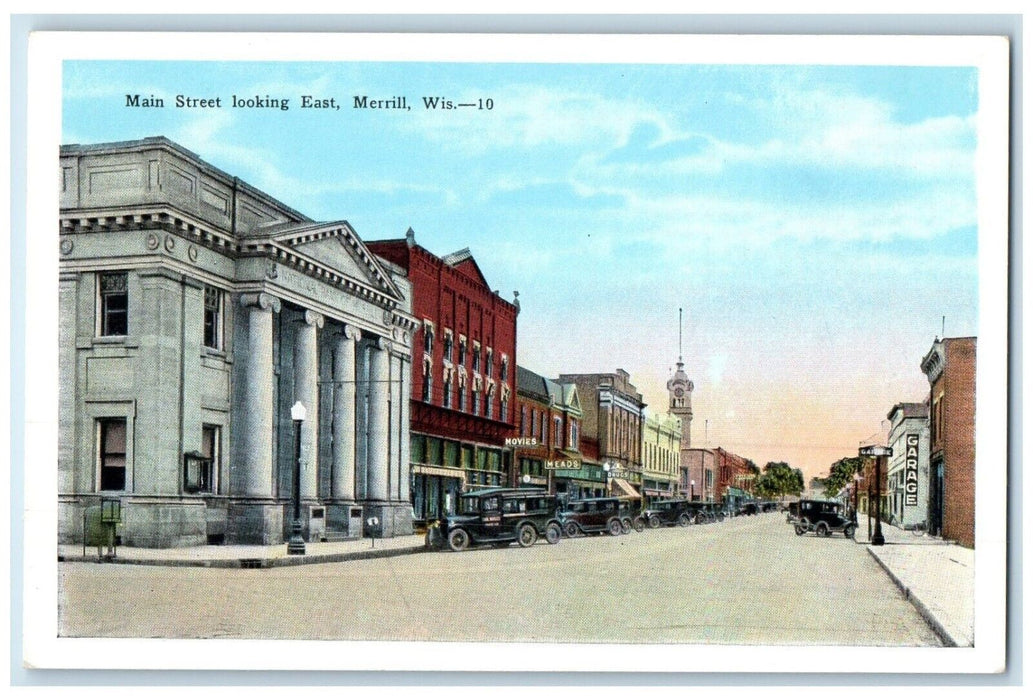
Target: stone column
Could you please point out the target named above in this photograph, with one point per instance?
(404, 407)
(255, 471)
(306, 390)
(378, 451)
(343, 484)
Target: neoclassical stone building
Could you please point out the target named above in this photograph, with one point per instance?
(195, 311)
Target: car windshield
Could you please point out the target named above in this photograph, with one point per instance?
(469, 505)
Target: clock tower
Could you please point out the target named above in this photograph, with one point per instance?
(679, 391)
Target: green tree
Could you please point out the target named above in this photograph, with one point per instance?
(779, 479)
(841, 473)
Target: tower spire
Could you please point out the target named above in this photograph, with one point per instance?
(679, 336)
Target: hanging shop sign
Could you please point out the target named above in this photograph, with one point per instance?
(911, 469)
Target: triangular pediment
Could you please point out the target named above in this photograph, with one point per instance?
(338, 248)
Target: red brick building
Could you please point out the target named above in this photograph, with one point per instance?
(463, 375)
(548, 414)
(950, 367)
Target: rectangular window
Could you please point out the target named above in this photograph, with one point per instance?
(448, 345)
(447, 400)
(557, 431)
(417, 445)
(476, 402)
(111, 441)
(488, 362)
(114, 303)
(462, 397)
(212, 318)
(451, 454)
(462, 350)
(488, 407)
(428, 338)
(199, 475)
(426, 383)
(434, 450)
(504, 373)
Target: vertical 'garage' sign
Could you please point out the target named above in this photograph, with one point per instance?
(911, 470)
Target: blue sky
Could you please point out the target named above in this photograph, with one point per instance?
(815, 223)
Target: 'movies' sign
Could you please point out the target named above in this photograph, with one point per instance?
(911, 470)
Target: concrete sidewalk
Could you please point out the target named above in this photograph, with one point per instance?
(250, 556)
(936, 575)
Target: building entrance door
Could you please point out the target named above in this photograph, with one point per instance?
(935, 524)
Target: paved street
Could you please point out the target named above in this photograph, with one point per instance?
(749, 580)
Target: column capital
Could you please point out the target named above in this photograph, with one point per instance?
(384, 344)
(313, 318)
(260, 300)
(351, 332)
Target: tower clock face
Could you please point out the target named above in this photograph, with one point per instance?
(679, 392)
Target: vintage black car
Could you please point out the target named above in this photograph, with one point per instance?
(594, 515)
(711, 512)
(670, 512)
(822, 518)
(498, 516)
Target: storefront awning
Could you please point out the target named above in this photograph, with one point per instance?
(628, 489)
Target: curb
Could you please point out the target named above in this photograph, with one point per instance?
(922, 608)
(252, 562)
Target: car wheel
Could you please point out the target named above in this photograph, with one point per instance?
(527, 535)
(654, 521)
(849, 532)
(822, 530)
(553, 533)
(639, 524)
(800, 528)
(614, 527)
(700, 519)
(625, 526)
(684, 520)
(458, 540)
(571, 529)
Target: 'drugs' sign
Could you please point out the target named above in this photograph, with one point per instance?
(911, 470)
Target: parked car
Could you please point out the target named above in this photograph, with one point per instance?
(750, 508)
(594, 515)
(498, 516)
(629, 515)
(822, 518)
(668, 512)
(713, 512)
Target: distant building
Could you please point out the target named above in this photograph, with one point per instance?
(613, 417)
(734, 478)
(950, 366)
(549, 428)
(661, 456)
(195, 311)
(699, 465)
(463, 375)
(908, 470)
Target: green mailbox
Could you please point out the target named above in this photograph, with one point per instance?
(111, 511)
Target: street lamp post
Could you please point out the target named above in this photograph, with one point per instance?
(857, 487)
(692, 490)
(297, 544)
(879, 452)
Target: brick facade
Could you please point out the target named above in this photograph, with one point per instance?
(951, 368)
(463, 374)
